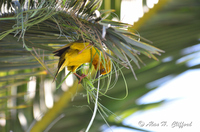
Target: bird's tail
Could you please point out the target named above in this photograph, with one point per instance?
(56, 75)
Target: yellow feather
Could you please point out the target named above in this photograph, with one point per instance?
(75, 54)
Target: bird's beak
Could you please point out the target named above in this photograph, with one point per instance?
(98, 74)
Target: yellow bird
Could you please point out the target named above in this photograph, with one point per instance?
(75, 54)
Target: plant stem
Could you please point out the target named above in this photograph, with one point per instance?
(95, 107)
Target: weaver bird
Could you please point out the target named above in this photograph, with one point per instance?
(75, 54)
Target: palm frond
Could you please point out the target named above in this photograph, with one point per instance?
(32, 29)
(79, 20)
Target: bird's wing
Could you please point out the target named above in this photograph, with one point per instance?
(60, 51)
(62, 63)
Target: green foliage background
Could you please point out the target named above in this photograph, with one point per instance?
(174, 27)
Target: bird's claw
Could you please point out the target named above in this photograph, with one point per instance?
(80, 77)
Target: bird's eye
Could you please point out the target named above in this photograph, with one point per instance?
(102, 70)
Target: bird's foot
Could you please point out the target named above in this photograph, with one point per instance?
(80, 77)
